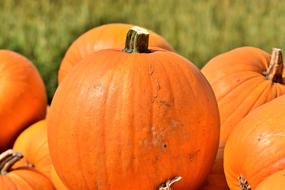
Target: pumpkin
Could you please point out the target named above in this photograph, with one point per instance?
(275, 181)
(103, 37)
(255, 149)
(32, 143)
(133, 119)
(242, 80)
(21, 178)
(22, 99)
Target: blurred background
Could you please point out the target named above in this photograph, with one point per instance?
(42, 30)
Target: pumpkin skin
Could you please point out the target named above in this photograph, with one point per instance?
(216, 179)
(255, 148)
(275, 181)
(128, 121)
(23, 98)
(56, 181)
(24, 179)
(102, 37)
(32, 143)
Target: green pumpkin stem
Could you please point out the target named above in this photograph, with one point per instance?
(168, 183)
(275, 69)
(137, 40)
(8, 159)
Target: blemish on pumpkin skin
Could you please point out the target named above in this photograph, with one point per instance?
(164, 103)
(193, 155)
(174, 124)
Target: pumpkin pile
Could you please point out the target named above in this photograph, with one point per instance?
(130, 113)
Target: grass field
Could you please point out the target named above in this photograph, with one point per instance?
(42, 30)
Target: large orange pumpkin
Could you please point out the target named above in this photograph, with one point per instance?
(275, 181)
(22, 178)
(23, 98)
(255, 149)
(32, 143)
(133, 119)
(103, 37)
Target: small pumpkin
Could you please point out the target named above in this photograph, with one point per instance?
(22, 178)
(255, 149)
(275, 181)
(133, 119)
(32, 143)
(102, 37)
(23, 98)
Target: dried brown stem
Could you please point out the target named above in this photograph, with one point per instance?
(275, 69)
(137, 40)
(167, 185)
(8, 159)
(243, 183)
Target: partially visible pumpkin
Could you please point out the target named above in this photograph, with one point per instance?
(21, 178)
(133, 119)
(275, 181)
(32, 143)
(23, 98)
(255, 149)
(242, 80)
(102, 37)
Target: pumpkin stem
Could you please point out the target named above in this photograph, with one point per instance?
(169, 182)
(275, 69)
(8, 159)
(243, 183)
(137, 40)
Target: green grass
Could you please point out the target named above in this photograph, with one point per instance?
(42, 30)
